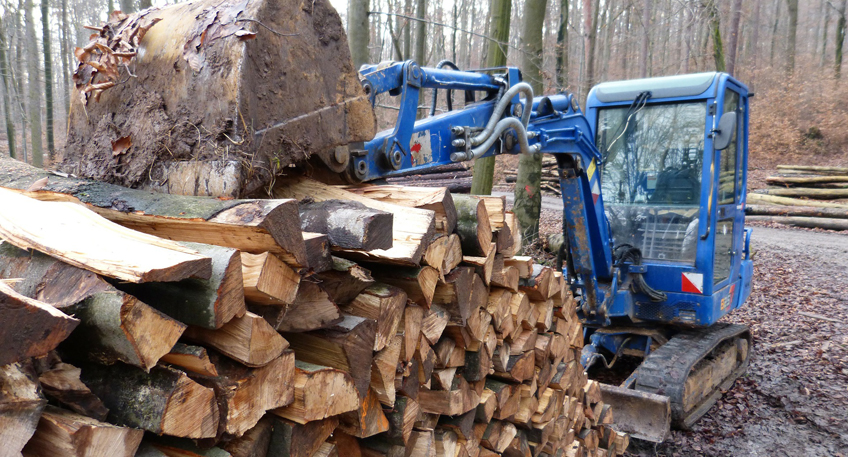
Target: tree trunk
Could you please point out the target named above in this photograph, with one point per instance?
(34, 87)
(792, 7)
(646, 39)
(420, 34)
(733, 44)
(590, 25)
(127, 6)
(825, 24)
(407, 31)
(484, 169)
(840, 39)
(562, 47)
(774, 32)
(755, 38)
(66, 55)
(48, 76)
(358, 32)
(528, 197)
(4, 73)
(715, 31)
(18, 78)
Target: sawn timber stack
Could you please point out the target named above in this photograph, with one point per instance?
(418, 349)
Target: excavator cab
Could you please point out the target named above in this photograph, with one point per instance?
(672, 178)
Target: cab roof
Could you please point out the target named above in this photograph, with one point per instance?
(660, 87)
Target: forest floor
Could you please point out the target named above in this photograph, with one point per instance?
(793, 400)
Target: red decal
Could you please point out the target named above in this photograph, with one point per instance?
(416, 147)
(529, 190)
(687, 286)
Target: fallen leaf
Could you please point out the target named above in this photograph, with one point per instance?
(121, 145)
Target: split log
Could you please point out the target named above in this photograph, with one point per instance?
(317, 247)
(113, 326)
(434, 323)
(508, 279)
(291, 439)
(517, 239)
(367, 420)
(344, 281)
(796, 211)
(254, 442)
(401, 420)
(410, 329)
(61, 382)
(312, 309)
(812, 169)
(473, 226)
(454, 294)
(21, 404)
(63, 433)
(383, 370)
(245, 394)
(169, 446)
(207, 303)
(459, 400)
(382, 304)
(818, 194)
(248, 339)
(191, 358)
(419, 283)
(410, 238)
(348, 224)
(347, 346)
(81, 238)
(773, 200)
(809, 222)
(524, 264)
(268, 280)
(240, 111)
(484, 266)
(28, 327)
(319, 392)
(247, 225)
(438, 200)
(540, 284)
(162, 401)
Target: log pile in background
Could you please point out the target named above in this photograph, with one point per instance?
(444, 344)
(803, 196)
(550, 176)
(454, 177)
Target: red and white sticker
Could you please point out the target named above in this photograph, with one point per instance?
(596, 192)
(419, 145)
(692, 283)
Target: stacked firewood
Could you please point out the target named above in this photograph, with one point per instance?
(364, 321)
(455, 177)
(803, 196)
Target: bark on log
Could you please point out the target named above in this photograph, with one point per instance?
(811, 169)
(418, 283)
(410, 238)
(773, 200)
(207, 303)
(162, 401)
(254, 226)
(28, 327)
(312, 309)
(21, 404)
(457, 185)
(81, 238)
(113, 326)
(291, 439)
(367, 420)
(179, 108)
(805, 181)
(798, 211)
(348, 225)
(344, 281)
(472, 225)
(191, 358)
(820, 194)
(63, 433)
(318, 254)
(809, 222)
(438, 200)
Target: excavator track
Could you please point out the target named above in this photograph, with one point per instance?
(694, 367)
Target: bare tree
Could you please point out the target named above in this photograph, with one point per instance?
(840, 38)
(733, 42)
(646, 39)
(358, 33)
(562, 47)
(4, 72)
(48, 76)
(792, 7)
(34, 87)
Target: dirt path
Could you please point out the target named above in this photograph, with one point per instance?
(794, 399)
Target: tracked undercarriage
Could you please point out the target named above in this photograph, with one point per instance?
(679, 381)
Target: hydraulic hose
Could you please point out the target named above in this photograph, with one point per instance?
(520, 88)
(499, 128)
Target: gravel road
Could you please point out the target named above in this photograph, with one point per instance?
(793, 401)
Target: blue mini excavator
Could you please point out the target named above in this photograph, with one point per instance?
(653, 179)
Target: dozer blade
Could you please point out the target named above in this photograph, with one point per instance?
(643, 415)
